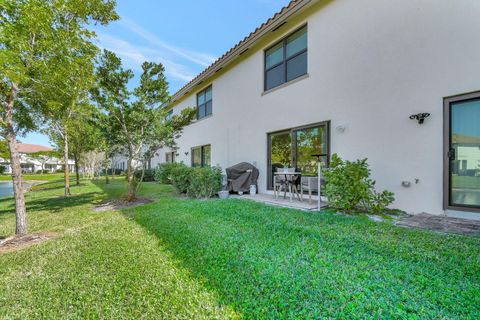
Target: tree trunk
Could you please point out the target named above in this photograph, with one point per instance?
(113, 169)
(106, 175)
(131, 196)
(77, 169)
(18, 192)
(65, 160)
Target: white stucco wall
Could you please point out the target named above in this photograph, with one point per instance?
(372, 64)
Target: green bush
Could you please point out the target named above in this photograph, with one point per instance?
(205, 182)
(195, 182)
(163, 172)
(349, 187)
(2, 169)
(60, 171)
(43, 171)
(180, 177)
(116, 171)
(148, 175)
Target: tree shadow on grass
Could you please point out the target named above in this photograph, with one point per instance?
(117, 189)
(249, 270)
(276, 263)
(50, 185)
(54, 204)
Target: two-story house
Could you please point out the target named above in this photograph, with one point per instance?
(348, 77)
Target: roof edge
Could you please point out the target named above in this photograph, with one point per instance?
(236, 51)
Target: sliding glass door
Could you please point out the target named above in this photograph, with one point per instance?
(294, 148)
(308, 141)
(462, 152)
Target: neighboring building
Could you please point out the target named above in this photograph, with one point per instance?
(31, 164)
(345, 77)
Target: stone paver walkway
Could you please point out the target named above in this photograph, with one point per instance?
(441, 224)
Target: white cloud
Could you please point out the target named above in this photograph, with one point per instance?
(202, 59)
(133, 56)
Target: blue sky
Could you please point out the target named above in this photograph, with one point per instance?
(185, 35)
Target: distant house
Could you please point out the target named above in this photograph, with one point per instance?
(31, 163)
(349, 77)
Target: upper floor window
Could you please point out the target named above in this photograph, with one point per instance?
(286, 60)
(201, 156)
(204, 103)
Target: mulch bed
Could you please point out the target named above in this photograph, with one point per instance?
(120, 204)
(16, 243)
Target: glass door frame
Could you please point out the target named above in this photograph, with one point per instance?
(447, 142)
(293, 156)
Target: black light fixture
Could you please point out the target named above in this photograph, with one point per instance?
(420, 117)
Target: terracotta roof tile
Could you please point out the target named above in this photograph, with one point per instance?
(32, 148)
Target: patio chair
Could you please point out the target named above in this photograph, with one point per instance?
(279, 182)
(283, 181)
(310, 184)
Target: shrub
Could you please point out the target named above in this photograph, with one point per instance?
(60, 171)
(2, 169)
(43, 171)
(163, 172)
(205, 182)
(148, 175)
(180, 177)
(349, 187)
(116, 171)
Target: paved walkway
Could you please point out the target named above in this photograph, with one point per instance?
(281, 202)
(441, 224)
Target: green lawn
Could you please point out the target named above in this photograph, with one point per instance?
(47, 176)
(190, 259)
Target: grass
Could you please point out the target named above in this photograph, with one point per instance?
(222, 259)
(39, 176)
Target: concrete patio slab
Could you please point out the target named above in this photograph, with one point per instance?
(285, 203)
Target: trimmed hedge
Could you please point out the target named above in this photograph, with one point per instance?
(181, 176)
(195, 182)
(163, 172)
(205, 182)
(148, 175)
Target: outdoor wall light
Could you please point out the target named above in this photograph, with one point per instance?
(420, 117)
(186, 153)
(341, 128)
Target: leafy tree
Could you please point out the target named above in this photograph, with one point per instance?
(36, 38)
(4, 151)
(92, 161)
(67, 108)
(86, 138)
(82, 134)
(136, 121)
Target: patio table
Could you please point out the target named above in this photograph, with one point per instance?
(286, 174)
